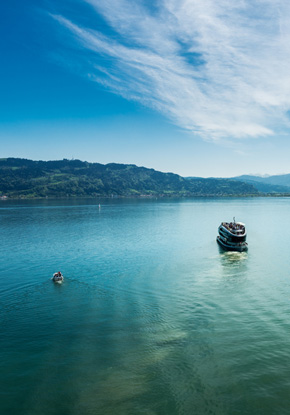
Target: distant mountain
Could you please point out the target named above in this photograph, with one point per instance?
(281, 180)
(75, 178)
(269, 184)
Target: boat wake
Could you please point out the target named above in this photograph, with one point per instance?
(234, 256)
(232, 259)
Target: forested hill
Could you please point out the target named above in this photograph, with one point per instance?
(75, 178)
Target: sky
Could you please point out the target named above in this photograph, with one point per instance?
(193, 87)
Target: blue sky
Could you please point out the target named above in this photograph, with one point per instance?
(195, 87)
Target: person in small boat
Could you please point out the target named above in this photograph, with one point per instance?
(57, 275)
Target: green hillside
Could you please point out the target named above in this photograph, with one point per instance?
(75, 178)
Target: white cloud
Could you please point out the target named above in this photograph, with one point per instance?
(220, 69)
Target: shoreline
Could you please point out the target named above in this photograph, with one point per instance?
(159, 196)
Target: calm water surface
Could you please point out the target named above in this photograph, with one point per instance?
(152, 317)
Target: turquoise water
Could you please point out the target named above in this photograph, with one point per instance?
(152, 318)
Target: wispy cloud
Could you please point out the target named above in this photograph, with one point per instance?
(219, 69)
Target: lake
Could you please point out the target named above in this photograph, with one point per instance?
(152, 317)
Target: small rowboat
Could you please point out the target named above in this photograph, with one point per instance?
(57, 277)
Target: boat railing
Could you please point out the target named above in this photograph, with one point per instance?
(234, 228)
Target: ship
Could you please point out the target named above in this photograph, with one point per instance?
(232, 236)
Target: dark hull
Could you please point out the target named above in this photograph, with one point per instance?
(239, 247)
(225, 233)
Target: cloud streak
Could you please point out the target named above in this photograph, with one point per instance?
(218, 69)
